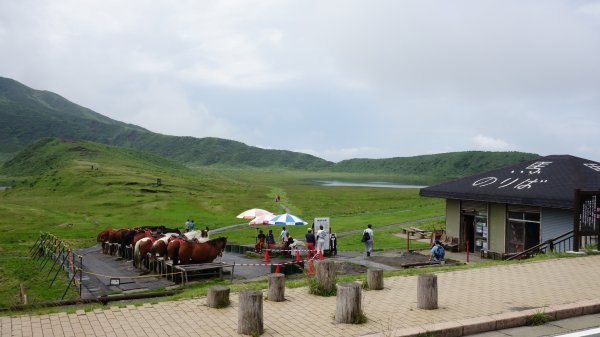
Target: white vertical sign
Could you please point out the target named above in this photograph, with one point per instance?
(325, 223)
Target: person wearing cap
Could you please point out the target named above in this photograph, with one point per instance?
(310, 241)
(437, 251)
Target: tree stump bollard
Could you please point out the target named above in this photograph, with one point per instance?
(348, 306)
(276, 287)
(218, 297)
(250, 313)
(427, 294)
(375, 278)
(326, 275)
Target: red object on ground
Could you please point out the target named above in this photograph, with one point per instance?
(320, 255)
(266, 259)
(298, 258)
(278, 269)
(311, 267)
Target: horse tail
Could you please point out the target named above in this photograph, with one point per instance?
(176, 254)
(136, 254)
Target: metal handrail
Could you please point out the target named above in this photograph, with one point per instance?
(544, 245)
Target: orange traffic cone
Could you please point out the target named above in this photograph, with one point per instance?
(266, 255)
(320, 255)
(298, 258)
(278, 269)
(311, 267)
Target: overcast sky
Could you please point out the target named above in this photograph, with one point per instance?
(336, 79)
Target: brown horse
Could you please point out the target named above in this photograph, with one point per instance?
(175, 243)
(116, 237)
(103, 238)
(201, 252)
(140, 234)
(159, 247)
(173, 250)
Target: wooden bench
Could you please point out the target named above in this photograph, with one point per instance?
(213, 268)
(204, 269)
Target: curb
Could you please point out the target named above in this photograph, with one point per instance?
(501, 321)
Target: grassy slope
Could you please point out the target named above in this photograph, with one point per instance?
(61, 188)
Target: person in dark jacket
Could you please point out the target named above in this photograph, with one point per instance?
(310, 242)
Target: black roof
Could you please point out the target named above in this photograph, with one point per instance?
(548, 182)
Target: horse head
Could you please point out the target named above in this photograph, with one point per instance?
(103, 236)
(219, 244)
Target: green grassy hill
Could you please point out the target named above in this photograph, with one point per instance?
(74, 189)
(436, 167)
(27, 115)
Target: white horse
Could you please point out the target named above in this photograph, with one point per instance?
(200, 235)
(297, 245)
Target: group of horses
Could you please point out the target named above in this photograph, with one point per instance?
(188, 248)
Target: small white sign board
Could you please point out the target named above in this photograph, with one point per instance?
(115, 281)
(325, 223)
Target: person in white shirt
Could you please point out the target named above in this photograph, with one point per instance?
(368, 241)
(284, 235)
(321, 237)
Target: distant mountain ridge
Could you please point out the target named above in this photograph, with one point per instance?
(443, 165)
(28, 115)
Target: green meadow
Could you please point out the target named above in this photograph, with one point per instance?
(76, 189)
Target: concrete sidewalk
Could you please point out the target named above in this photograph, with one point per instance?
(470, 301)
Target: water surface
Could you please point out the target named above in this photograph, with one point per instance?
(365, 184)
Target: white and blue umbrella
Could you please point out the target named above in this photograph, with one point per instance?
(287, 220)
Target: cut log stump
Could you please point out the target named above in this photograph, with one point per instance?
(375, 278)
(276, 287)
(348, 306)
(218, 297)
(250, 313)
(326, 275)
(427, 294)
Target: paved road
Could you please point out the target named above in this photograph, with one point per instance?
(493, 294)
(555, 328)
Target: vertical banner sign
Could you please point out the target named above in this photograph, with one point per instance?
(325, 223)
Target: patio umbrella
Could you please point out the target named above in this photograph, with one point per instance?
(261, 220)
(253, 213)
(287, 220)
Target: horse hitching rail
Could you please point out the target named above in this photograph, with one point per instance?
(48, 247)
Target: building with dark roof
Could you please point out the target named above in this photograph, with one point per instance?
(517, 207)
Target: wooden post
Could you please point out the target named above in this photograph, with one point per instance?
(22, 294)
(276, 287)
(407, 241)
(427, 295)
(375, 278)
(218, 297)
(250, 313)
(348, 306)
(326, 275)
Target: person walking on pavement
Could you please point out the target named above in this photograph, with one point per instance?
(368, 239)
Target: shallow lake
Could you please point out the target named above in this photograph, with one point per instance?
(365, 184)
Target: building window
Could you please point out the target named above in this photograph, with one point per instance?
(523, 228)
